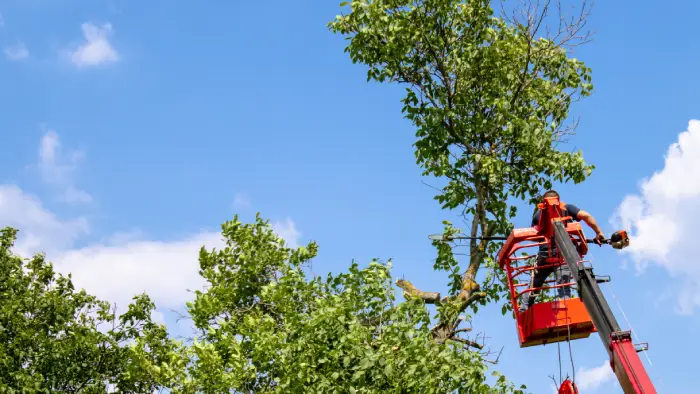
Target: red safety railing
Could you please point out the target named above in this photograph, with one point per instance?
(518, 271)
(542, 322)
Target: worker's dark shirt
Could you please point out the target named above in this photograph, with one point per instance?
(570, 210)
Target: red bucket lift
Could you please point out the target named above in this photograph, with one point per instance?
(545, 322)
(574, 318)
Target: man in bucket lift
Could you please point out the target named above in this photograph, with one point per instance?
(562, 273)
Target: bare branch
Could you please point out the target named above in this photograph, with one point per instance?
(463, 330)
(431, 186)
(428, 297)
(496, 360)
(468, 342)
(473, 297)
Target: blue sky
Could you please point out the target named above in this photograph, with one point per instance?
(133, 129)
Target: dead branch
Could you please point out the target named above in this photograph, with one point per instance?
(447, 329)
(472, 298)
(429, 297)
(468, 342)
(496, 360)
(556, 385)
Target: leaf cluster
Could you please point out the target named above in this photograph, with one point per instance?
(266, 327)
(54, 338)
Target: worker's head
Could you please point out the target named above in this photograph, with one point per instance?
(550, 193)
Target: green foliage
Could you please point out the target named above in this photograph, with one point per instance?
(263, 325)
(445, 260)
(267, 328)
(489, 98)
(56, 339)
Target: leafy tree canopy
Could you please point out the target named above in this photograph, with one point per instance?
(55, 339)
(262, 326)
(267, 327)
(489, 97)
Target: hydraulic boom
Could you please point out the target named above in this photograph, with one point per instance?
(624, 360)
(574, 318)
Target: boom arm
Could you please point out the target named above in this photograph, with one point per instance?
(624, 360)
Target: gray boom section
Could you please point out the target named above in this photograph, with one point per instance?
(588, 288)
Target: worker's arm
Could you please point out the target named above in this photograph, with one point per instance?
(590, 221)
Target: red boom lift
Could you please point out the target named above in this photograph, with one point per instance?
(574, 318)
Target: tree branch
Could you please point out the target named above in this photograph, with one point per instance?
(429, 297)
(496, 360)
(472, 298)
(468, 342)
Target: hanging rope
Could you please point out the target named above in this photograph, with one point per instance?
(559, 355)
(568, 340)
(634, 333)
(571, 353)
(555, 306)
(635, 336)
(558, 346)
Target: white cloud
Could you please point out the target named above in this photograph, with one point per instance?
(17, 51)
(121, 267)
(287, 230)
(241, 201)
(40, 230)
(164, 270)
(591, 379)
(57, 168)
(123, 237)
(158, 317)
(53, 166)
(96, 49)
(75, 196)
(662, 217)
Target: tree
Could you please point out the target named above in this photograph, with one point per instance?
(264, 327)
(54, 339)
(489, 97)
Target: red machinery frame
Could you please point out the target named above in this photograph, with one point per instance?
(573, 318)
(545, 322)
